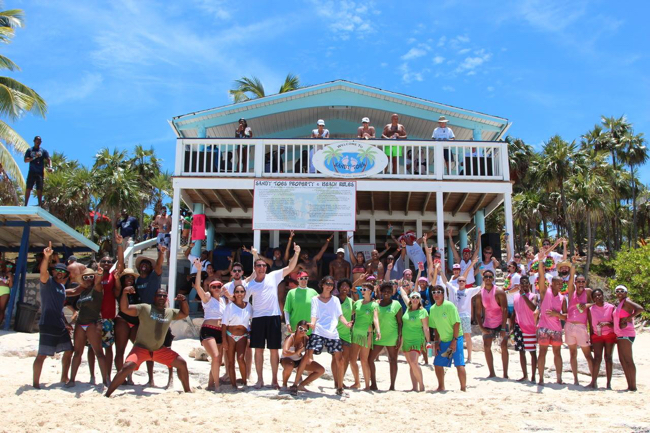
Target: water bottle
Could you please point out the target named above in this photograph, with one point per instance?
(430, 350)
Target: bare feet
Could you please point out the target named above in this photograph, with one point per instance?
(36, 385)
(129, 381)
(392, 388)
(70, 384)
(373, 388)
(575, 382)
(151, 384)
(522, 379)
(293, 390)
(259, 384)
(439, 389)
(92, 380)
(541, 382)
(491, 375)
(302, 388)
(592, 385)
(275, 386)
(355, 386)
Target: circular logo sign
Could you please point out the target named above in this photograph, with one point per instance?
(350, 159)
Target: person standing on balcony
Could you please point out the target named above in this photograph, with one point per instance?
(320, 131)
(394, 131)
(366, 131)
(128, 227)
(243, 131)
(266, 326)
(36, 157)
(444, 133)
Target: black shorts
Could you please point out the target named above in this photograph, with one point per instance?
(318, 343)
(266, 332)
(207, 332)
(168, 339)
(53, 340)
(35, 179)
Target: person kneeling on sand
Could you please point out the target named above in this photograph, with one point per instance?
(149, 345)
(292, 353)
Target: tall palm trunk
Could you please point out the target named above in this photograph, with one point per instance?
(569, 227)
(634, 227)
(590, 246)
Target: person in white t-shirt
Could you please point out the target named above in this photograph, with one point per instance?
(326, 313)
(444, 133)
(412, 244)
(266, 326)
(237, 272)
(469, 258)
(552, 258)
(511, 286)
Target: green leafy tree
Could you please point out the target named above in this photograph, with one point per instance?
(633, 271)
(16, 99)
(247, 88)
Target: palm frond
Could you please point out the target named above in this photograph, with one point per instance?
(12, 138)
(292, 82)
(29, 100)
(10, 166)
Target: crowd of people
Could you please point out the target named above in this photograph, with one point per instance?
(355, 312)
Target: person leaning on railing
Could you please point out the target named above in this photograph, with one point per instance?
(444, 133)
(394, 131)
(366, 131)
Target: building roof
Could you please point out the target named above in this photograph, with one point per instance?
(44, 228)
(341, 104)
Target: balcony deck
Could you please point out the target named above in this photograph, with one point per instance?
(473, 161)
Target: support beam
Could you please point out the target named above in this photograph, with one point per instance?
(173, 247)
(203, 199)
(426, 202)
(18, 289)
(408, 201)
(221, 200)
(479, 221)
(445, 198)
(440, 222)
(373, 231)
(372, 202)
(237, 200)
(460, 205)
(390, 203)
(209, 238)
(198, 210)
(478, 205)
(507, 210)
(257, 240)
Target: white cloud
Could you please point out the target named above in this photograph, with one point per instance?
(60, 94)
(551, 16)
(347, 17)
(442, 40)
(472, 63)
(409, 76)
(448, 89)
(464, 51)
(411, 41)
(438, 60)
(490, 89)
(216, 8)
(414, 53)
(457, 42)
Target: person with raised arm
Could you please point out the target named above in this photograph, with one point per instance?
(525, 304)
(494, 322)
(88, 326)
(310, 265)
(155, 320)
(339, 267)
(358, 261)
(462, 299)
(53, 329)
(576, 332)
(601, 323)
(624, 315)
(552, 310)
(412, 244)
(390, 328)
(552, 258)
(467, 257)
(210, 335)
(266, 324)
(326, 313)
(516, 257)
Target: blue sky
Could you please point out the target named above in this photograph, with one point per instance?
(114, 72)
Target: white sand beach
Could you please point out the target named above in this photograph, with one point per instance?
(489, 405)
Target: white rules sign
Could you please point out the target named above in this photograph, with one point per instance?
(304, 205)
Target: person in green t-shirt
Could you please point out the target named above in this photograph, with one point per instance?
(297, 306)
(445, 320)
(415, 331)
(390, 325)
(155, 320)
(344, 287)
(365, 315)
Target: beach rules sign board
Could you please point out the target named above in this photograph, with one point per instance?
(319, 205)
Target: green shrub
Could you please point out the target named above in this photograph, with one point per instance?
(633, 271)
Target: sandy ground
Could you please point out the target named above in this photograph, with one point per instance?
(489, 405)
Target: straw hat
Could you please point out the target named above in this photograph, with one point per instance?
(442, 119)
(140, 259)
(129, 271)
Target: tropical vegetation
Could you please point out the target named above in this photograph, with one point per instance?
(247, 88)
(16, 100)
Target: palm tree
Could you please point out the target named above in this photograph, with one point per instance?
(520, 156)
(367, 155)
(252, 88)
(557, 166)
(634, 153)
(331, 153)
(147, 166)
(16, 99)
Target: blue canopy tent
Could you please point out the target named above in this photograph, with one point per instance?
(31, 229)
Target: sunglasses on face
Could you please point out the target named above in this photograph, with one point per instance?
(260, 265)
(414, 297)
(328, 284)
(581, 282)
(488, 277)
(517, 257)
(364, 289)
(437, 292)
(215, 287)
(60, 271)
(303, 279)
(159, 295)
(106, 262)
(620, 291)
(488, 252)
(236, 270)
(237, 292)
(301, 329)
(461, 281)
(88, 277)
(546, 245)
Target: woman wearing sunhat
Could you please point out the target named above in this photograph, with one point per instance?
(88, 327)
(624, 315)
(148, 282)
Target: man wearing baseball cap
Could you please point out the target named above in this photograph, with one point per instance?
(320, 131)
(365, 130)
(339, 268)
(36, 157)
(297, 306)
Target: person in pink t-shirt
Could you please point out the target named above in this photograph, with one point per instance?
(525, 304)
(575, 331)
(494, 304)
(624, 315)
(549, 328)
(601, 322)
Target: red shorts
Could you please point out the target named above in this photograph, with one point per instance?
(164, 356)
(608, 338)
